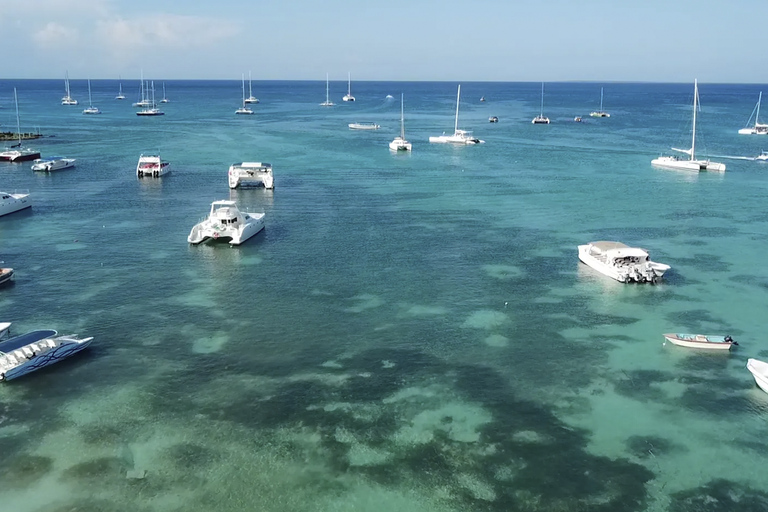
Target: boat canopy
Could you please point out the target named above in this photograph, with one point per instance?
(25, 339)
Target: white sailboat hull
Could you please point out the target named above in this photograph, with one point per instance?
(676, 164)
(759, 370)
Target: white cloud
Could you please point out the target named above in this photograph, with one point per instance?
(53, 35)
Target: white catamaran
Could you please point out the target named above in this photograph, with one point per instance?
(459, 136)
(91, 109)
(327, 102)
(400, 144)
(348, 96)
(691, 164)
(251, 98)
(67, 99)
(243, 110)
(540, 119)
(601, 112)
(758, 128)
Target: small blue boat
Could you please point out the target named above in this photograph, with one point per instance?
(37, 349)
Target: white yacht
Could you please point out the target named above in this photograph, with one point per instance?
(152, 166)
(348, 96)
(91, 109)
(250, 173)
(120, 95)
(758, 128)
(17, 152)
(67, 99)
(13, 202)
(327, 102)
(540, 119)
(459, 136)
(692, 163)
(26, 353)
(52, 163)
(763, 156)
(5, 328)
(621, 262)
(6, 275)
(601, 112)
(243, 109)
(363, 126)
(227, 223)
(251, 98)
(399, 143)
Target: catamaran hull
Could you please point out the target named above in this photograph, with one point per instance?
(47, 358)
(687, 165)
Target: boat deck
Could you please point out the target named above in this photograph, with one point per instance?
(25, 339)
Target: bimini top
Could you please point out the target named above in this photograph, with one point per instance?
(619, 250)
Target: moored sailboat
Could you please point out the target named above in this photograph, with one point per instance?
(758, 128)
(601, 112)
(243, 109)
(18, 153)
(67, 99)
(459, 136)
(399, 143)
(348, 96)
(327, 102)
(251, 98)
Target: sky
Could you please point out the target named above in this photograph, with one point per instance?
(410, 40)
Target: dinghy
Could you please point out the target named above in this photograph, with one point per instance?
(706, 341)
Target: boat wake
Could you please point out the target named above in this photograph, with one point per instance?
(729, 157)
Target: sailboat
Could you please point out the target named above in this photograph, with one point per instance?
(540, 119)
(120, 95)
(91, 109)
(758, 128)
(67, 99)
(250, 98)
(691, 164)
(143, 93)
(243, 109)
(165, 98)
(348, 96)
(327, 102)
(400, 144)
(600, 113)
(459, 136)
(151, 107)
(17, 153)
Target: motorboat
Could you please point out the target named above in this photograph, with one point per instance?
(226, 223)
(759, 370)
(18, 153)
(251, 173)
(91, 109)
(327, 102)
(243, 109)
(5, 328)
(762, 156)
(13, 202)
(348, 96)
(577, 119)
(621, 262)
(676, 163)
(67, 99)
(28, 352)
(251, 98)
(705, 341)
(152, 166)
(601, 112)
(540, 119)
(459, 136)
(363, 126)
(6, 275)
(52, 163)
(482, 98)
(493, 119)
(399, 143)
(758, 128)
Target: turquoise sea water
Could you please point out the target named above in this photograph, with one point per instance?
(410, 332)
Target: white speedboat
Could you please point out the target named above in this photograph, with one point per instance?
(601, 112)
(459, 136)
(5, 328)
(67, 99)
(52, 163)
(13, 202)
(399, 143)
(251, 173)
(763, 156)
(26, 353)
(6, 275)
(759, 370)
(363, 126)
(705, 341)
(152, 166)
(327, 102)
(243, 109)
(540, 119)
(18, 153)
(91, 109)
(251, 98)
(348, 96)
(226, 223)
(692, 163)
(621, 262)
(758, 128)
(493, 119)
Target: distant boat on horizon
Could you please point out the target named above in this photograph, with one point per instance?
(327, 102)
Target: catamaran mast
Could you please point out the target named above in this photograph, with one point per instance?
(695, 104)
(757, 115)
(458, 95)
(601, 99)
(18, 124)
(402, 118)
(349, 83)
(541, 111)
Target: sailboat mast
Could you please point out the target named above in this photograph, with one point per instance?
(243, 76)
(250, 86)
(456, 123)
(327, 98)
(18, 124)
(90, 101)
(402, 118)
(757, 115)
(349, 83)
(695, 103)
(601, 99)
(541, 111)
